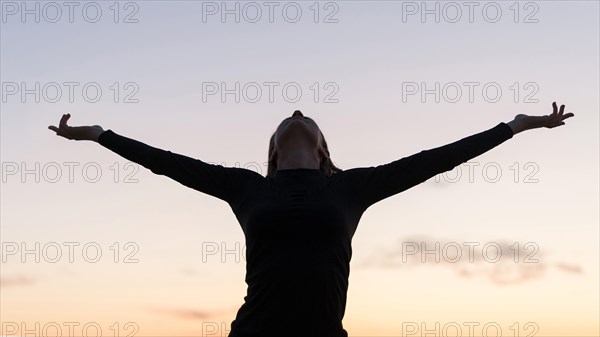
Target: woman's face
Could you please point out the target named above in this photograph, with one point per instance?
(297, 133)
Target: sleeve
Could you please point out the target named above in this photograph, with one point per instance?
(372, 184)
(215, 180)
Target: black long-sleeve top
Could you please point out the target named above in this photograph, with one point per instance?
(299, 224)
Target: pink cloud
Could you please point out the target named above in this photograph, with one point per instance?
(516, 264)
(14, 281)
(185, 313)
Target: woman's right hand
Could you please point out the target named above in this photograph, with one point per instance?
(76, 132)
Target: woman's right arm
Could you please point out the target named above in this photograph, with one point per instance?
(216, 180)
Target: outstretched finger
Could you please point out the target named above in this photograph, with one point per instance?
(553, 107)
(562, 109)
(63, 120)
(53, 128)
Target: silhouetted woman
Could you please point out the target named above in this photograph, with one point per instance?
(299, 220)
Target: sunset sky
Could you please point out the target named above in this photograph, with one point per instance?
(134, 253)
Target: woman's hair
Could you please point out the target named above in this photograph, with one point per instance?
(326, 166)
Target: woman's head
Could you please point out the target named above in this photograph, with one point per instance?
(298, 139)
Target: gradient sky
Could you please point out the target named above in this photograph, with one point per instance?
(363, 59)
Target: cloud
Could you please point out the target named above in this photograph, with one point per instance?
(502, 262)
(185, 313)
(192, 314)
(569, 268)
(15, 281)
(191, 272)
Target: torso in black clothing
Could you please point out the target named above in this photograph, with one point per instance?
(299, 225)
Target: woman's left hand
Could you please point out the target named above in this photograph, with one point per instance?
(553, 120)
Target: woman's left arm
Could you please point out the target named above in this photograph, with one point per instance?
(372, 184)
